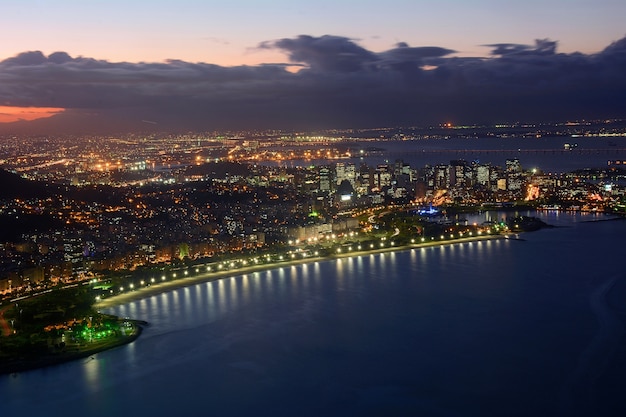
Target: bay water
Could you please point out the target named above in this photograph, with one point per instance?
(526, 326)
(546, 154)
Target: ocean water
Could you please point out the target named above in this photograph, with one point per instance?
(546, 154)
(512, 327)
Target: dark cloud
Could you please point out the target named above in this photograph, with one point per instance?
(404, 58)
(339, 84)
(59, 58)
(618, 47)
(27, 58)
(326, 53)
(541, 47)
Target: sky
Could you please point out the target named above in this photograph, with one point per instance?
(292, 64)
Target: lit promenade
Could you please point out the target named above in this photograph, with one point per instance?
(164, 286)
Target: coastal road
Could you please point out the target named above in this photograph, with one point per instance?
(212, 276)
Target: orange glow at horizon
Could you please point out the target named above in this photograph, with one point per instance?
(10, 114)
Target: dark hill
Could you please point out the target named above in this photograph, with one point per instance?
(14, 186)
(219, 169)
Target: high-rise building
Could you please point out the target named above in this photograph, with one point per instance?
(513, 165)
(345, 171)
(382, 177)
(482, 175)
(457, 173)
(325, 179)
(442, 178)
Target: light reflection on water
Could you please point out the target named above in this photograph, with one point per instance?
(209, 299)
(232, 292)
(281, 286)
(200, 299)
(339, 270)
(552, 217)
(434, 331)
(186, 301)
(245, 289)
(92, 374)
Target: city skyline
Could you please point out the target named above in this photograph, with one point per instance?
(92, 68)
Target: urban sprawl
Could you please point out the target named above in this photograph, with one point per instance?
(75, 210)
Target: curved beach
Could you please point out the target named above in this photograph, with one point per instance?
(24, 364)
(162, 287)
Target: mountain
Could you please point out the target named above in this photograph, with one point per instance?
(13, 186)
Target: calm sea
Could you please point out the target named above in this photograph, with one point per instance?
(547, 154)
(527, 327)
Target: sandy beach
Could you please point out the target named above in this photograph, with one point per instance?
(166, 286)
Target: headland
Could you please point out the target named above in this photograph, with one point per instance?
(29, 361)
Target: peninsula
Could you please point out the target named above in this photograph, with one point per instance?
(57, 327)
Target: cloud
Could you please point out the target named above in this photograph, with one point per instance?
(340, 84)
(541, 47)
(325, 53)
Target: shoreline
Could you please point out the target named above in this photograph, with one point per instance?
(163, 287)
(16, 366)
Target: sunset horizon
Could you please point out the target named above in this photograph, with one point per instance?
(403, 86)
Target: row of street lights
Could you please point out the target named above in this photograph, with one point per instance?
(268, 259)
(223, 266)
